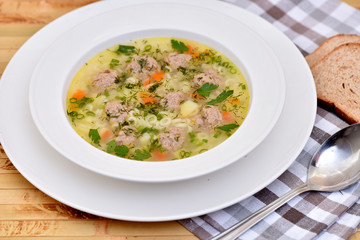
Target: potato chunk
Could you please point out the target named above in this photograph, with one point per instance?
(189, 108)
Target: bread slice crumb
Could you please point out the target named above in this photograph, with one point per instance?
(337, 80)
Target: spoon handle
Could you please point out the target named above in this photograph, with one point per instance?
(241, 227)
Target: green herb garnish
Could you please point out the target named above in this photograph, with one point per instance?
(113, 63)
(111, 146)
(141, 155)
(81, 102)
(154, 86)
(90, 113)
(184, 154)
(192, 136)
(127, 50)
(147, 48)
(75, 116)
(206, 88)
(228, 127)
(179, 45)
(149, 130)
(121, 150)
(217, 134)
(95, 136)
(222, 96)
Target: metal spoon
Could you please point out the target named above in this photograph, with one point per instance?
(335, 166)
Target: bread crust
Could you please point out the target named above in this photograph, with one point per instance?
(330, 44)
(336, 77)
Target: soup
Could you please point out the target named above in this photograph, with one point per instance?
(157, 99)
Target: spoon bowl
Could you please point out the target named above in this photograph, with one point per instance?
(335, 166)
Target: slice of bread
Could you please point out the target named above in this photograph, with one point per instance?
(337, 80)
(330, 44)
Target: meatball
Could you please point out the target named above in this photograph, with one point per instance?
(126, 136)
(210, 117)
(176, 60)
(209, 76)
(143, 67)
(172, 100)
(116, 111)
(105, 79)
(172, 140)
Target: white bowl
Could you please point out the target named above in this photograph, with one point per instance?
(60, 62)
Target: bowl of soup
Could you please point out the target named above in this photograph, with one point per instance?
(157, 103)
(157, 99)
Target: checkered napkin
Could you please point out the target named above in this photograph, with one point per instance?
(312, 215)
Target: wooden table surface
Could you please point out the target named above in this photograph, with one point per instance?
(26, 212)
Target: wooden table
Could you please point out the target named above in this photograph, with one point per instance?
(26, 212)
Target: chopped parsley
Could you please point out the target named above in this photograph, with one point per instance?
(94, 136)
(111, 146)
(121, 150)
(222, 96)
(205, 89)
(178, 45)
(141, 155)
(228, 127)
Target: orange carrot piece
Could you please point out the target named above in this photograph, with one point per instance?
(79, 94)
(147, 82)
(149, 100)
(105, 134)
(158, 76)
(146, 97)
(235, 101)
(197, 96)
(144, 94)
(228, 116)
(195, 55)
(159, 155)
(190, 48)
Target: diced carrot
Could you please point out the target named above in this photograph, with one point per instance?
(235, 101)
(159, 155)
(146, 97)
(147, 82)
(79, 94)
(190, 48)
(195, 55)
(206, 52)
(105, 134)
(158, 76)
(197, 96)
(149, 100)
(228, 116)
(144, 94)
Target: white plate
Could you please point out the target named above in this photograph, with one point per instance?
(82, 189)
(75, 47)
